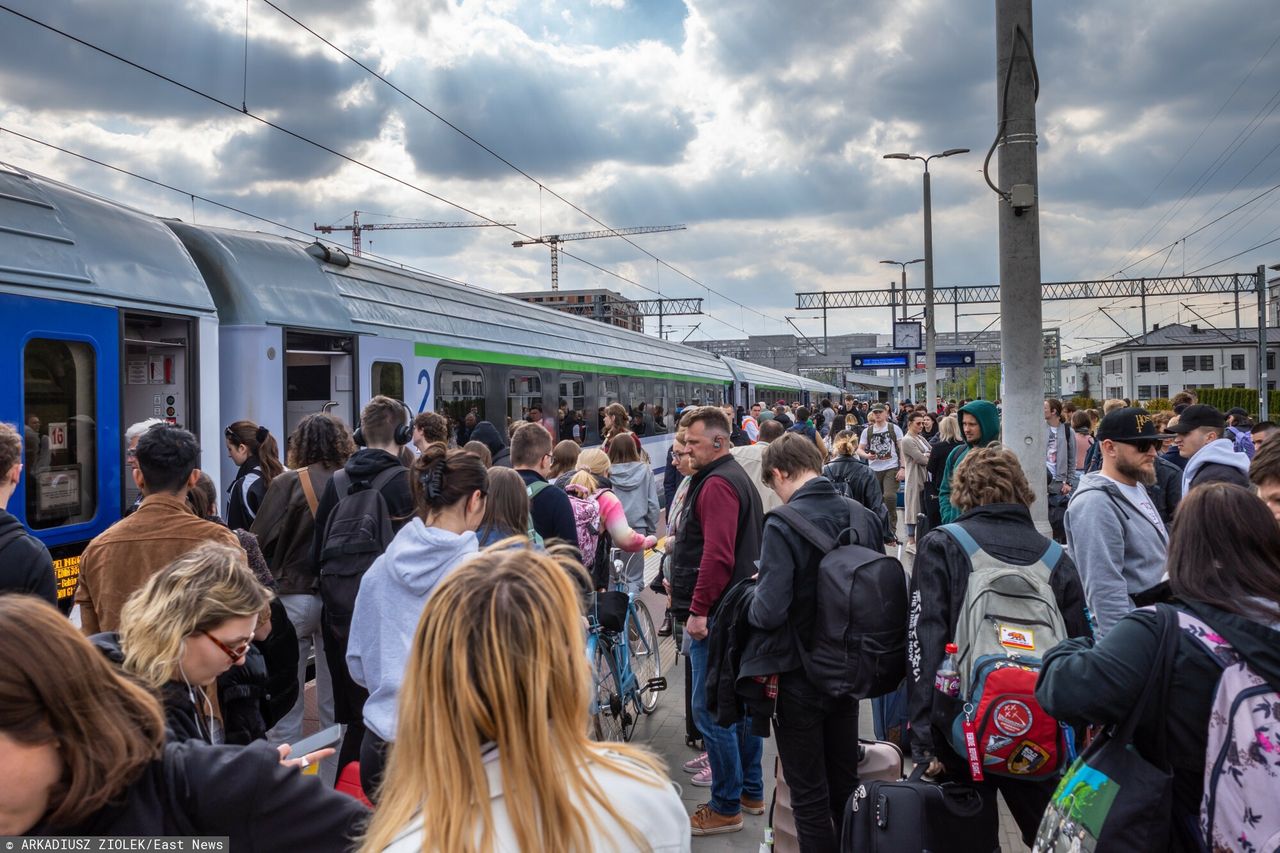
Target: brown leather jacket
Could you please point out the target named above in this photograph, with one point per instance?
(285, 527)
(124, 556)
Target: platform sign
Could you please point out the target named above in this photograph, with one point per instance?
(58, 436)
(950, 358)
(878, 360)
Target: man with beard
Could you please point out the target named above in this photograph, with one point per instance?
(1114, 531)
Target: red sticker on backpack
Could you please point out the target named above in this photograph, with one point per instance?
(1013, 718)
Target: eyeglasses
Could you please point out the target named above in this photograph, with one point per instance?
(236, 653)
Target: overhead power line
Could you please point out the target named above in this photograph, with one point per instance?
(334, 152)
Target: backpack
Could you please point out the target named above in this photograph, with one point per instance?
(357, 531)
(1241, 779)
(1009, 619)
(1242, 441)
(859, 644)
(586, 520)
(534, 489)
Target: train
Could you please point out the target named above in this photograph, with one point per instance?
(110, 315)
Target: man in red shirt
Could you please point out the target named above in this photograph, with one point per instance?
(718, 546)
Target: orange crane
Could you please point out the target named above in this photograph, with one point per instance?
(554, 241)
(357, 227)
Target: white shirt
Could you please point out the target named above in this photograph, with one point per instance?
(881, 444)
(1137, 495)
(1051, 452)
(652, 806)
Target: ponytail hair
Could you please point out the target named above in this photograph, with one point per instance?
(262, 446)
(442, 477)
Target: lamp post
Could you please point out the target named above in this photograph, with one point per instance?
(930, 342)
(906, 371)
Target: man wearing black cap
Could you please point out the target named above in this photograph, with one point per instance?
(1114, 531)
(1210, 457)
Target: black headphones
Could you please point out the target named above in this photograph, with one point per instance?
(403, 434)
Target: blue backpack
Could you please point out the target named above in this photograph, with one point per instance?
(1242, 440)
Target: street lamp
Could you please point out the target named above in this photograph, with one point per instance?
(906, 371)
(930, 343)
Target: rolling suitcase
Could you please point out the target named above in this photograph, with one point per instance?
(915, 815)
(877, 760)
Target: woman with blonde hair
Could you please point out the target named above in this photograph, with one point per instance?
(591, 482)
(492, 751)
(949, 438)
(190, 623)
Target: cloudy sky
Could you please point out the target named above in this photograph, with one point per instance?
(757, 124)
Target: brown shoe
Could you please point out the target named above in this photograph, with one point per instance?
(751, 806)
(705, 821)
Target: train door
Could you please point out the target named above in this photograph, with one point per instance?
(387, 368)
(67, 408)
(317, 376)
(159, 378)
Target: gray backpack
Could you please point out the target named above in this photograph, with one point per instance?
(357, 531)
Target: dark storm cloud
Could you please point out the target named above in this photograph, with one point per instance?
(551, 119)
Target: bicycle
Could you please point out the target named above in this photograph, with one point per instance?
(626, 661)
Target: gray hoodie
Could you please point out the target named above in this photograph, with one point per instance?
(1117, 550)
(635, 487)
(1217, 460)
(392, 595)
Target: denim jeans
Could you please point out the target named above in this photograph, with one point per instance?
(304, 613)
(733, 754)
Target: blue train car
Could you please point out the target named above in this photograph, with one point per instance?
(103, 316)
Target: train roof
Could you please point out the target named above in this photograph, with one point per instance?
(445, 319)
(59, 241)
(769, 377)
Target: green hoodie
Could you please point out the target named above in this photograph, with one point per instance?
(988, 418)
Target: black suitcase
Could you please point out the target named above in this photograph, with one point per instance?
(915, 815)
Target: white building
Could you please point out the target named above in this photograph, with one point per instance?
(1082, 377)
(1170, 358)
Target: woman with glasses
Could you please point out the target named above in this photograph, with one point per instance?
(449, 492)
(188, 624)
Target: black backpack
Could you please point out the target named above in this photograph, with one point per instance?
(859, 644)
(356, 532)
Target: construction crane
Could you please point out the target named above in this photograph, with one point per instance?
(554, 241)
(357, 227)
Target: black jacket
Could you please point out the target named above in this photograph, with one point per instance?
(25, 565)
(366, 464)
(1084, 683)
(488, 435)
(550, 510)
(1166, 492)
(938, 585)
(236, 791)
(735, 654)
(853, 478)
(246, 494)
(786, 592)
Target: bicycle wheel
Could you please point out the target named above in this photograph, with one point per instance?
(646, 656)
(608, 713)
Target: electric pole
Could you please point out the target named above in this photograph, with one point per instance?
(1021, 320)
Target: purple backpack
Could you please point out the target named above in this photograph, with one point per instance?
(1241, 805)
(586, 518)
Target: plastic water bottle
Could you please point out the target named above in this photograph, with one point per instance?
(947, 680)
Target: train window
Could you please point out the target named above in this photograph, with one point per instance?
(661, 408)
(608, 394)
(59, 432)
(460, 390)
(633, 399)
(573, 406)
(682, 398)
(387, 378)
(524, 392)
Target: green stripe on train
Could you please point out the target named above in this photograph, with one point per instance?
(459, 354)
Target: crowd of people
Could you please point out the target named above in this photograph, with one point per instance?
(438, 578)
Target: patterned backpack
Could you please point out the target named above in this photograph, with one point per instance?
(1241, 805)
(586, 518)
(1009, 619)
